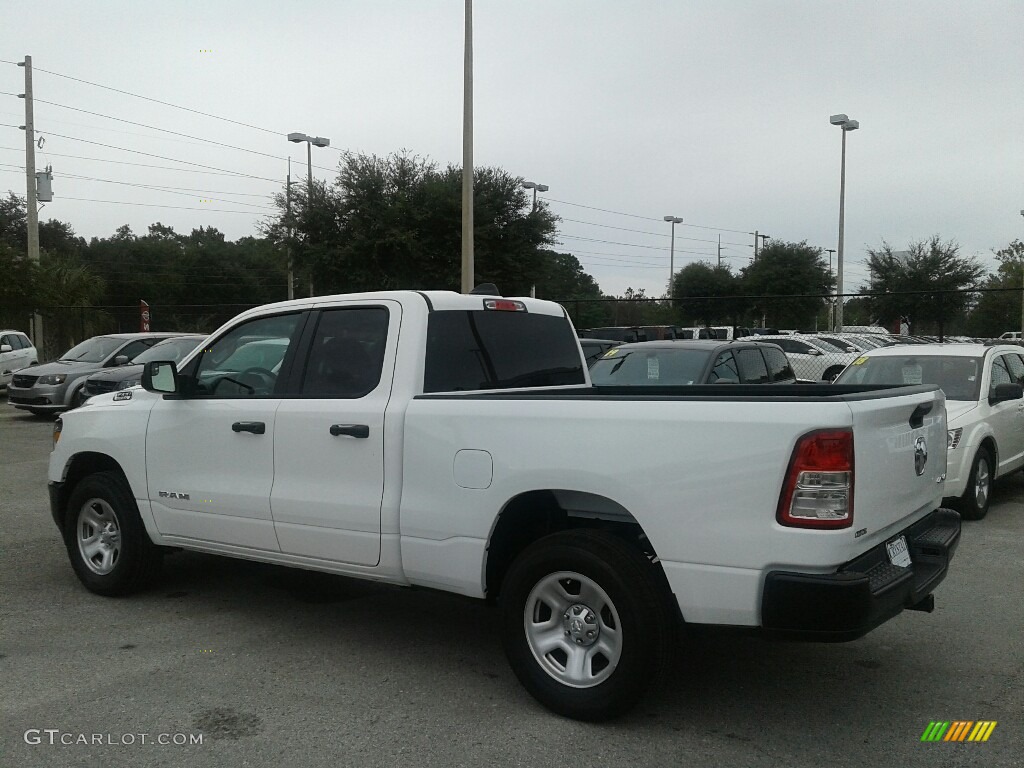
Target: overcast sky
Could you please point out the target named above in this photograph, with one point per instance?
(714, 111)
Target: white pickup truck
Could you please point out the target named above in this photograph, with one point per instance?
(454, 442)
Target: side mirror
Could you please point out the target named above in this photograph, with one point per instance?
(815, 352)
(6, 348)
(160, 376)
(1004, 392)
(122, 360)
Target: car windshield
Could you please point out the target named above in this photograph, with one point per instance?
(842, 344)
(649, 367)
(822, 344)
(958, 377)
(94, 350)
(172, 349)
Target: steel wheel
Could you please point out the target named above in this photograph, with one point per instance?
(99, 536)
(573, 629)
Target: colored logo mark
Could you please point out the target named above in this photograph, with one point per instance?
(958, 730)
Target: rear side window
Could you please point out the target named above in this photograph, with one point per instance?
(23, 340)
(752, 366)
(724, 370)
(1016, 368)
(778, 365)
(347, 355)
(469, 350)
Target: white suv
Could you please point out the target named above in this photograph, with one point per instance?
(984, 408)
(16, 351)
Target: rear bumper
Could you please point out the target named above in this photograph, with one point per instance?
(866, 591)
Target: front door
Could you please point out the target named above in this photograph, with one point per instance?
(210, 452)
(330, 438)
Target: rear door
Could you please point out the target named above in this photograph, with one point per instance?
(899, 457)
(330, 439)
(1006, 418)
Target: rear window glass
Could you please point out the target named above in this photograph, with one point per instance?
(778, 365)
(638, 367)
(468, 350)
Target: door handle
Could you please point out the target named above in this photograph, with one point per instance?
(352, 430)
(917, 417)
(256, 427)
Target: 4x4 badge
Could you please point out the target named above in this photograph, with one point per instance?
(920, 455)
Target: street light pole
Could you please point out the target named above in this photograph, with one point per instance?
(468, 266)
(673, 220)
(536, 188)
(1022, 293)
(311, 141)
(831, 304)
(846, 124)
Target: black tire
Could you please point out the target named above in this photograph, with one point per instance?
(76, 399)
(974, 504)
(640, 617)
(101, 509)
(831, 373)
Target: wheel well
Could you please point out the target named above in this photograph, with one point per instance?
(990, 443)
(81, 466)
(535, 514)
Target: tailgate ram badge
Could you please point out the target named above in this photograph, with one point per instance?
(920, 455)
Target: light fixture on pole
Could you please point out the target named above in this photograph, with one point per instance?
(847, 125)
(311, 141)
(536, 188)
(673, 220)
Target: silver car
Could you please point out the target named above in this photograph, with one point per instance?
(57, 386)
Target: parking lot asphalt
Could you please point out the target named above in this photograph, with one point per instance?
(286, 668)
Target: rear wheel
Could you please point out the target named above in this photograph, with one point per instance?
(586, 622)
(976, 499)
(106, 539)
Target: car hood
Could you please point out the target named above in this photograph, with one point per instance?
(121, 373)
(955, 409)
(70, 368)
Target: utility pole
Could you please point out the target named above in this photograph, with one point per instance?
(719, 250)
(467, 155)
(288, 216)
(764, 241)
(31, 204)
(755, 245)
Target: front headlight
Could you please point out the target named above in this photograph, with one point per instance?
(953, 437)
(53, 378)
(128, 384)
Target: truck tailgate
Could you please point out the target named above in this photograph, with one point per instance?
(899, 460)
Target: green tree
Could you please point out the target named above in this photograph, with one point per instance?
(705, 295)
(929, 285)
(793, 282)
(395, 222)
(1000, 310)
(564, 279)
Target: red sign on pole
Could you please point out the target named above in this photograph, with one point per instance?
(143, 316)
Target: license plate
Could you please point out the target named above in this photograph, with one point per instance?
(898, 552)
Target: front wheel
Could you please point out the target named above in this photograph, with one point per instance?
(106, 540)
(586, 623)
(975, 502)
(831, 373)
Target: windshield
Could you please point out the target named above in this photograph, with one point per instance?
(822, 344)
(649, 367)
(94, 350)
(842, 344)
(958, 377)
(172, 349)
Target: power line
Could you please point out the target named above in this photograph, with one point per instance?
(630, 245)
(648, 232)
(150, 154)
(647, 218)
(143, 165)
(158, 101)
(163, 130)
(147, 186)
(155, 205)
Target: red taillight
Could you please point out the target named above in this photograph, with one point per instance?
(505, 305)
(818, 489)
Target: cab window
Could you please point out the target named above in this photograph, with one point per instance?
(247, 360)
(752, 366)
(347, 353)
